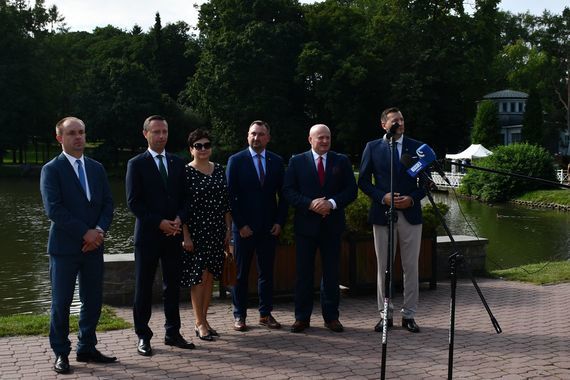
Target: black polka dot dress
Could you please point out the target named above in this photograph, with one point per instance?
(207, 202)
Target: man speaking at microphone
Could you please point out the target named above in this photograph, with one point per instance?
(407, 203)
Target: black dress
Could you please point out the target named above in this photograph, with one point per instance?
(207, 203)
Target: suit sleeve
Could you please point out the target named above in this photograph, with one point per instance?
(50, 188)
(365, 177)
(232, 171)
(106, 216)
(291, 189)
(349, 189)
(135, 196)
(282, 205)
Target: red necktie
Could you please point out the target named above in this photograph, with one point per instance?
(321, 170)
(261, 172)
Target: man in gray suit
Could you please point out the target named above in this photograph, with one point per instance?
(77, 200)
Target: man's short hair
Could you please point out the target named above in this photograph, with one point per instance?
(387, 111)
(262, 123)
(146, 124)
(59, 124)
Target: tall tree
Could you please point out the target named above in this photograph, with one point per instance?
(246, 70)
(485, 126)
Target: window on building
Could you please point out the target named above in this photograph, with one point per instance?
(503, 107)
(513, 107)
(515, 138)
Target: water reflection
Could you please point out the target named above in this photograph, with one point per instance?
(517, 236)
(24, 228)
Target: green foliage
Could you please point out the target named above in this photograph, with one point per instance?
(23, 324)
(486, 125)
(524, 159)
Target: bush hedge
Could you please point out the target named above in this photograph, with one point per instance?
(524, 159)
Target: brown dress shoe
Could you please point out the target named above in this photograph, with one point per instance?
(239, 325)
(299, 326)
(269, 321)
(334, 325)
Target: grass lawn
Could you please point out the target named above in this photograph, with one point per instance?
(542, 273)
(24, 324)
(560, 197)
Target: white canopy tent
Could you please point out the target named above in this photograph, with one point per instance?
(474, 151)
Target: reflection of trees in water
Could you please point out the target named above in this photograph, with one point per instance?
(517, 235)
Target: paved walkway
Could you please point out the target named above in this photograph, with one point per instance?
(535, 343)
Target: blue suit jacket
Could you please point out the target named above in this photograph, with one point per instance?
(150, 201)
(302, 185)
(259, 207)
(67, 207)
(376, 164)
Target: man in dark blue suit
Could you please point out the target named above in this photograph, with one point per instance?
(407, 202)
(77, 199)
(259, 211)
(155, 195)
(319, 184)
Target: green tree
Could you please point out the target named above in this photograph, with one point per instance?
(485, 126)
(247, 68)
(532, 129)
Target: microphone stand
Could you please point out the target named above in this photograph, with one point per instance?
(392, 219)
(455, 259)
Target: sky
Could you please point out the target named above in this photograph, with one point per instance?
(88, 14)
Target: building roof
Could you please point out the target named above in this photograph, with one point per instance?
(474, 151)
(506, 94)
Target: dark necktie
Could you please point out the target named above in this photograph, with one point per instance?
(261, 171)
(81, 175)
(396, 158)
(321, 170)
(162, 169)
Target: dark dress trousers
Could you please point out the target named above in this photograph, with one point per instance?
(151, 201)
(312, 231)
(260, 207)
(71, 215)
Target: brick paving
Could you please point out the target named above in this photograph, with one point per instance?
(535, 343)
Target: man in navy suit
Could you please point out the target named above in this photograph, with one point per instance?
(319, 184)
(77, 199)
(407, 202)
(155, 195)
(259, 211)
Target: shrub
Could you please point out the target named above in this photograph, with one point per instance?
(525, 159)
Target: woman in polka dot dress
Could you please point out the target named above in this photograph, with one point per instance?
(207, 230)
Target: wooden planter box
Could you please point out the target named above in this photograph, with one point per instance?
(357, 267)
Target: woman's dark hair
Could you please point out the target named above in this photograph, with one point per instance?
(196, 135)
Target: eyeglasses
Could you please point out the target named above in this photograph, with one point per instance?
(200, 146)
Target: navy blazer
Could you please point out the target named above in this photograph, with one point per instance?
(68, 208)
(376, 164)
(150, 201)
(302, 185)
(259, 207)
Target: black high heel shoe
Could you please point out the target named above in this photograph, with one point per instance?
(211, 331)
(208, 337)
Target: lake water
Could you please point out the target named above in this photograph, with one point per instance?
(517, 236)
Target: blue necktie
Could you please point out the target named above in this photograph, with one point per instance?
(396, 158)
(81, 175)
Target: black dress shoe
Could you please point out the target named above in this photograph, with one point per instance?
(299, 326)
(410, 325)
(61, 364)
(378, 327)
(334, 326)
(143, 347)
(178, 341)
(95, 357)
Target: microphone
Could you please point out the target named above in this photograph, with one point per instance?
(427, 159)
(393, 130)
